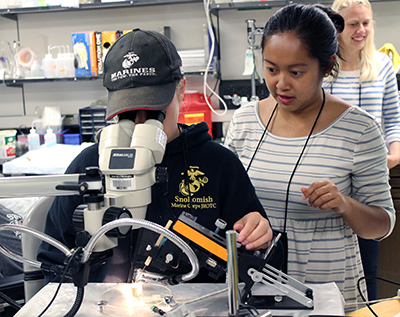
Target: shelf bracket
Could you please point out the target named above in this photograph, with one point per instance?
(15, 85)
(11, 16)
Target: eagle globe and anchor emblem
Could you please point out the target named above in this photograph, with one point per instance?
(130, 59)
(197, 179)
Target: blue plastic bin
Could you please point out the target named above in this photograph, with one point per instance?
(72, 138)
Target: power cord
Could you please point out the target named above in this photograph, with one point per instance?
(10, 301)
(70, 260)
(367, 303)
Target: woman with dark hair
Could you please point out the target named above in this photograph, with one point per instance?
(317, 162)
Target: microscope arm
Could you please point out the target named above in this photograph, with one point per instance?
(49, 185)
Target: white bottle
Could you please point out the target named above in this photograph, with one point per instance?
(50, 139)
(49, 66)
(60, 65)
(33, 140)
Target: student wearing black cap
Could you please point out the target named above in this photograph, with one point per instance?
(143, 73)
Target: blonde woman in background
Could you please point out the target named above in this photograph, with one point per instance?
(367, 79)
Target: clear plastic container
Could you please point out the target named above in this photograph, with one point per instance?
(36, 69)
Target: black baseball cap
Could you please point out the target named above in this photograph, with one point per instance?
(141, 70)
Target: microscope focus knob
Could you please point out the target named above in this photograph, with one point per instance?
(114, 213)
(77, 218)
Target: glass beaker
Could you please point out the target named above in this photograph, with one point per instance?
(6, 60)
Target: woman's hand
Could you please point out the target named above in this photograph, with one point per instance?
(325, 195)
(254, 231)
(368, 222)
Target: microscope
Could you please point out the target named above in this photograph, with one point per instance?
(116, 194)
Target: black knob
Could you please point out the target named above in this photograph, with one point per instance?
(114, 213)
(77, 218)
(82, 238)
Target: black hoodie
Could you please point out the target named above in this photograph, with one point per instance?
(219, 188)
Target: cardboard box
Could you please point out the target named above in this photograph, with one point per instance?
(99, 53)
(108, 38)
(85, 57)
(126, 31)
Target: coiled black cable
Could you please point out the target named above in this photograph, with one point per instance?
(78, 302)
(79, 296)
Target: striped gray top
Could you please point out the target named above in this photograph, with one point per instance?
(352, 154)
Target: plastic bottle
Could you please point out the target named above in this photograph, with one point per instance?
(49, 66)
(60, 65)
(33, 140)
(50, 139)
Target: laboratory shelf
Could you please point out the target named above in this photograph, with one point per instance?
(21, 82)
(12, 13)
(266, 4)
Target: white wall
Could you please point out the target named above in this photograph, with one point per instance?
(186, 20)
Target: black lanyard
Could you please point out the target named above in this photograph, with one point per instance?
(298, 160)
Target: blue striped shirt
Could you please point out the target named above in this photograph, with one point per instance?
(379, 98)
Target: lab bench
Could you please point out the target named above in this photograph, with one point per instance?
(43, 161)
(327, 301)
